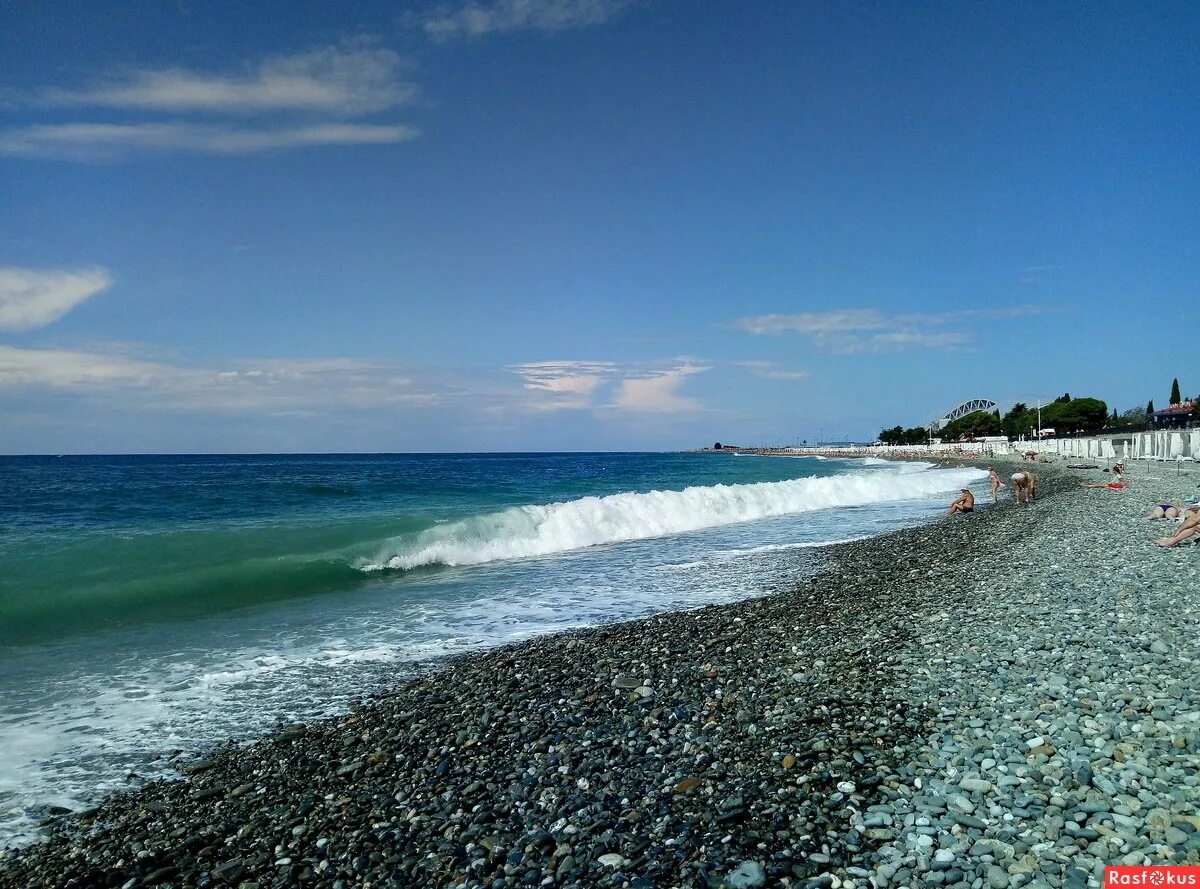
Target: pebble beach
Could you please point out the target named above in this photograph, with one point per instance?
(1006, 698)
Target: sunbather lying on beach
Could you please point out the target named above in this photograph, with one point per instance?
(1189, 528)
(1024, 486)
(965, 503)
(1116, 483)
(1165, 511)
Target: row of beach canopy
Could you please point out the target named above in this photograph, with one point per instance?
(1097, 448)
(1166, 445)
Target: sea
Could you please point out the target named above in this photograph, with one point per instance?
(154, 606)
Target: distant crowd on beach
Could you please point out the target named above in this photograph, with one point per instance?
(1024, 487)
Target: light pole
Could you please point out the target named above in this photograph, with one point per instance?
(1039, 419)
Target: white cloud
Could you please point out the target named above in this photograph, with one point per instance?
(870, 330)
(297, 101)
(336, 80)
(63, 368)
(32, 298)
(475, 19)
(120, 375)
(770, 370)
(563, 385)
(101, 141)
(658, 392)
(269, 385)
(916, 339)
(636, 386)
(814, 322)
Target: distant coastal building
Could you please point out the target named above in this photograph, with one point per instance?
(1175, 416)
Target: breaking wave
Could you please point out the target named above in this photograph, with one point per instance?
(542, 530)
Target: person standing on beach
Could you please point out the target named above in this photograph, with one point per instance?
(1024, 486)
(995, 482)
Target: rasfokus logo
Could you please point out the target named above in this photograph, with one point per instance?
(1152, 875)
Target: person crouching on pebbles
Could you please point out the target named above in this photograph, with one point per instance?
(965, 503)
(1024, 486)
(996, 484)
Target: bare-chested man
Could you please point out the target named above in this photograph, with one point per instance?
(965, 503)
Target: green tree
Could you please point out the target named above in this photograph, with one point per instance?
(973, 425)
(1065, 398)
(1020, 420)
(898, 435)
(1150, 408)
(1076, 415)
(1175, 399)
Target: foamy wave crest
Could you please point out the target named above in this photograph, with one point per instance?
(527, 531)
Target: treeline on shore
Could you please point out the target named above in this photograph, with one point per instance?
(1065, 414)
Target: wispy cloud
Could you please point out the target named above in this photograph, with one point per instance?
(128, 376)
(474, 19)
(341, 81)
(1034, 274)
(583, 385)
(303, 100)
(111, 141)
(563, 385)
(913, 339)
(270, 385)
(871, 330)
(814, 322)
(658, 392)
(770, 370)
(31, 298)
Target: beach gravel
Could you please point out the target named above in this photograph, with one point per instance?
(1003, 699)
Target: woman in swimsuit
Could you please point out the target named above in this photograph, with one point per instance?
(1116, 484)
(1164, 511)
(1189, 528)
(996, 483)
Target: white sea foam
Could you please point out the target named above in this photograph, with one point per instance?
(530, 531)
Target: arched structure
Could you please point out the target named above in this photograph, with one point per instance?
(961, 410)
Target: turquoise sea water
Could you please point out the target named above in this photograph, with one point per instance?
(156, 604)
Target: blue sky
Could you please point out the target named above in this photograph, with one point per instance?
(584, 224)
